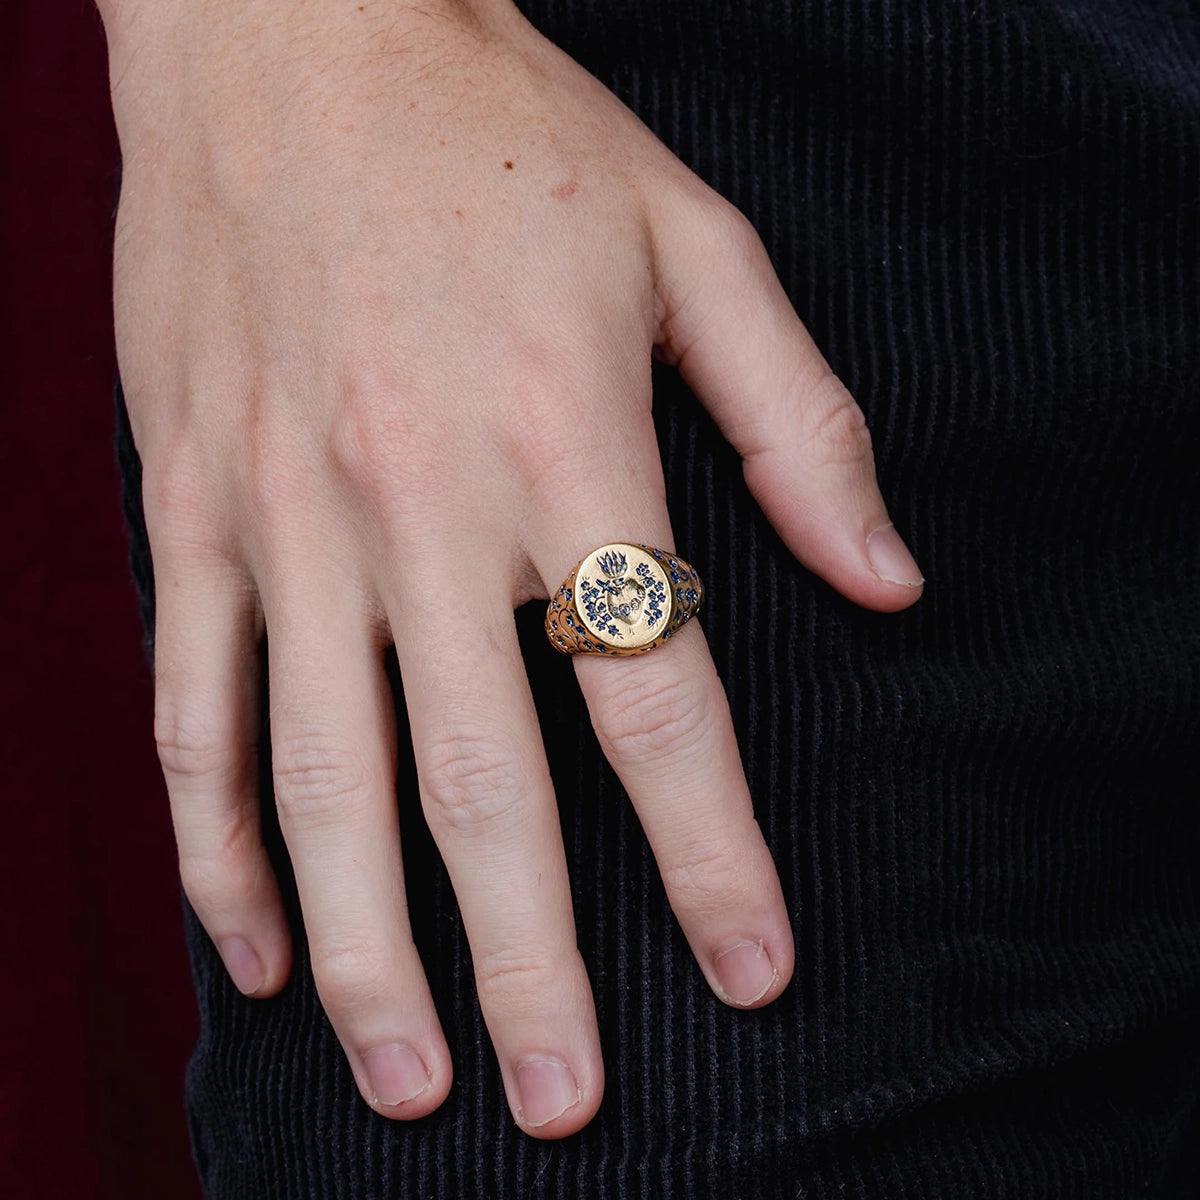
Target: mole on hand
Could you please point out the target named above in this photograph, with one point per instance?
(508, 164)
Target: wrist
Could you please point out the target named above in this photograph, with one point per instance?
(116, 11)
(123, 19)
(160, 49)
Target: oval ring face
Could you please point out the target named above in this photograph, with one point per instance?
(622, 596)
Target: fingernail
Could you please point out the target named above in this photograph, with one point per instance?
(243, 964)
(546, 1089)
(396, 1073)
(745, 972)
(890, 558)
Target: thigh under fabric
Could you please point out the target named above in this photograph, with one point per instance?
(985, 811)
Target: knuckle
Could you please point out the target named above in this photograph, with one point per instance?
(838, 432)
(351, 976)
(171, 470)
(705, 881)
(316, 776)
(470, 783)
(224, 877)
(735, 233)
(546, 459)
(375, 438)
(514, 982)
(543, 451)
(664, 713)
(204, 881)
(545, 377)
(168, 488)
(386, 441)
(178, 498)
(189, 748)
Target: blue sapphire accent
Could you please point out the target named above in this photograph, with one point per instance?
(613, 564)
(592, 595)
(656, 594)
(598, 614)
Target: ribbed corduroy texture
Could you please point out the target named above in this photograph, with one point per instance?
(985, 811)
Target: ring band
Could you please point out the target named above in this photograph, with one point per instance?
(623, 598)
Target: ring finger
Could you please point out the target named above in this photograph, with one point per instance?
(663, 722)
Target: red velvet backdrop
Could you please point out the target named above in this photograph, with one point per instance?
(96, 1014)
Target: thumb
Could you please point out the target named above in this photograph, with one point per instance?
(726, 322)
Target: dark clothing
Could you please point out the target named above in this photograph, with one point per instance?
(986, 810)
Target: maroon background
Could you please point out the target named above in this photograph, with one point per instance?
(96, 1012)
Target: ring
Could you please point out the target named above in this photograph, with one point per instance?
(624, 598)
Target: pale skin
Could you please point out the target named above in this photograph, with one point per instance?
(388, 278)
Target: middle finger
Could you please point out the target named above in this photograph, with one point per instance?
(487, 796)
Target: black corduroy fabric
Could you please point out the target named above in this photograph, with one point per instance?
(984, 810)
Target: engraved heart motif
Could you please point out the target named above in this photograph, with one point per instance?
(625, 601)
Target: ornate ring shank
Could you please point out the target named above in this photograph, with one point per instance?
(623, 598)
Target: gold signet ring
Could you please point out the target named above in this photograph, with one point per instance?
(623, 598)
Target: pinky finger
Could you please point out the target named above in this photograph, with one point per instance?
(206, 719)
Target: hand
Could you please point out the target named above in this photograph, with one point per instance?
(387, 286)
